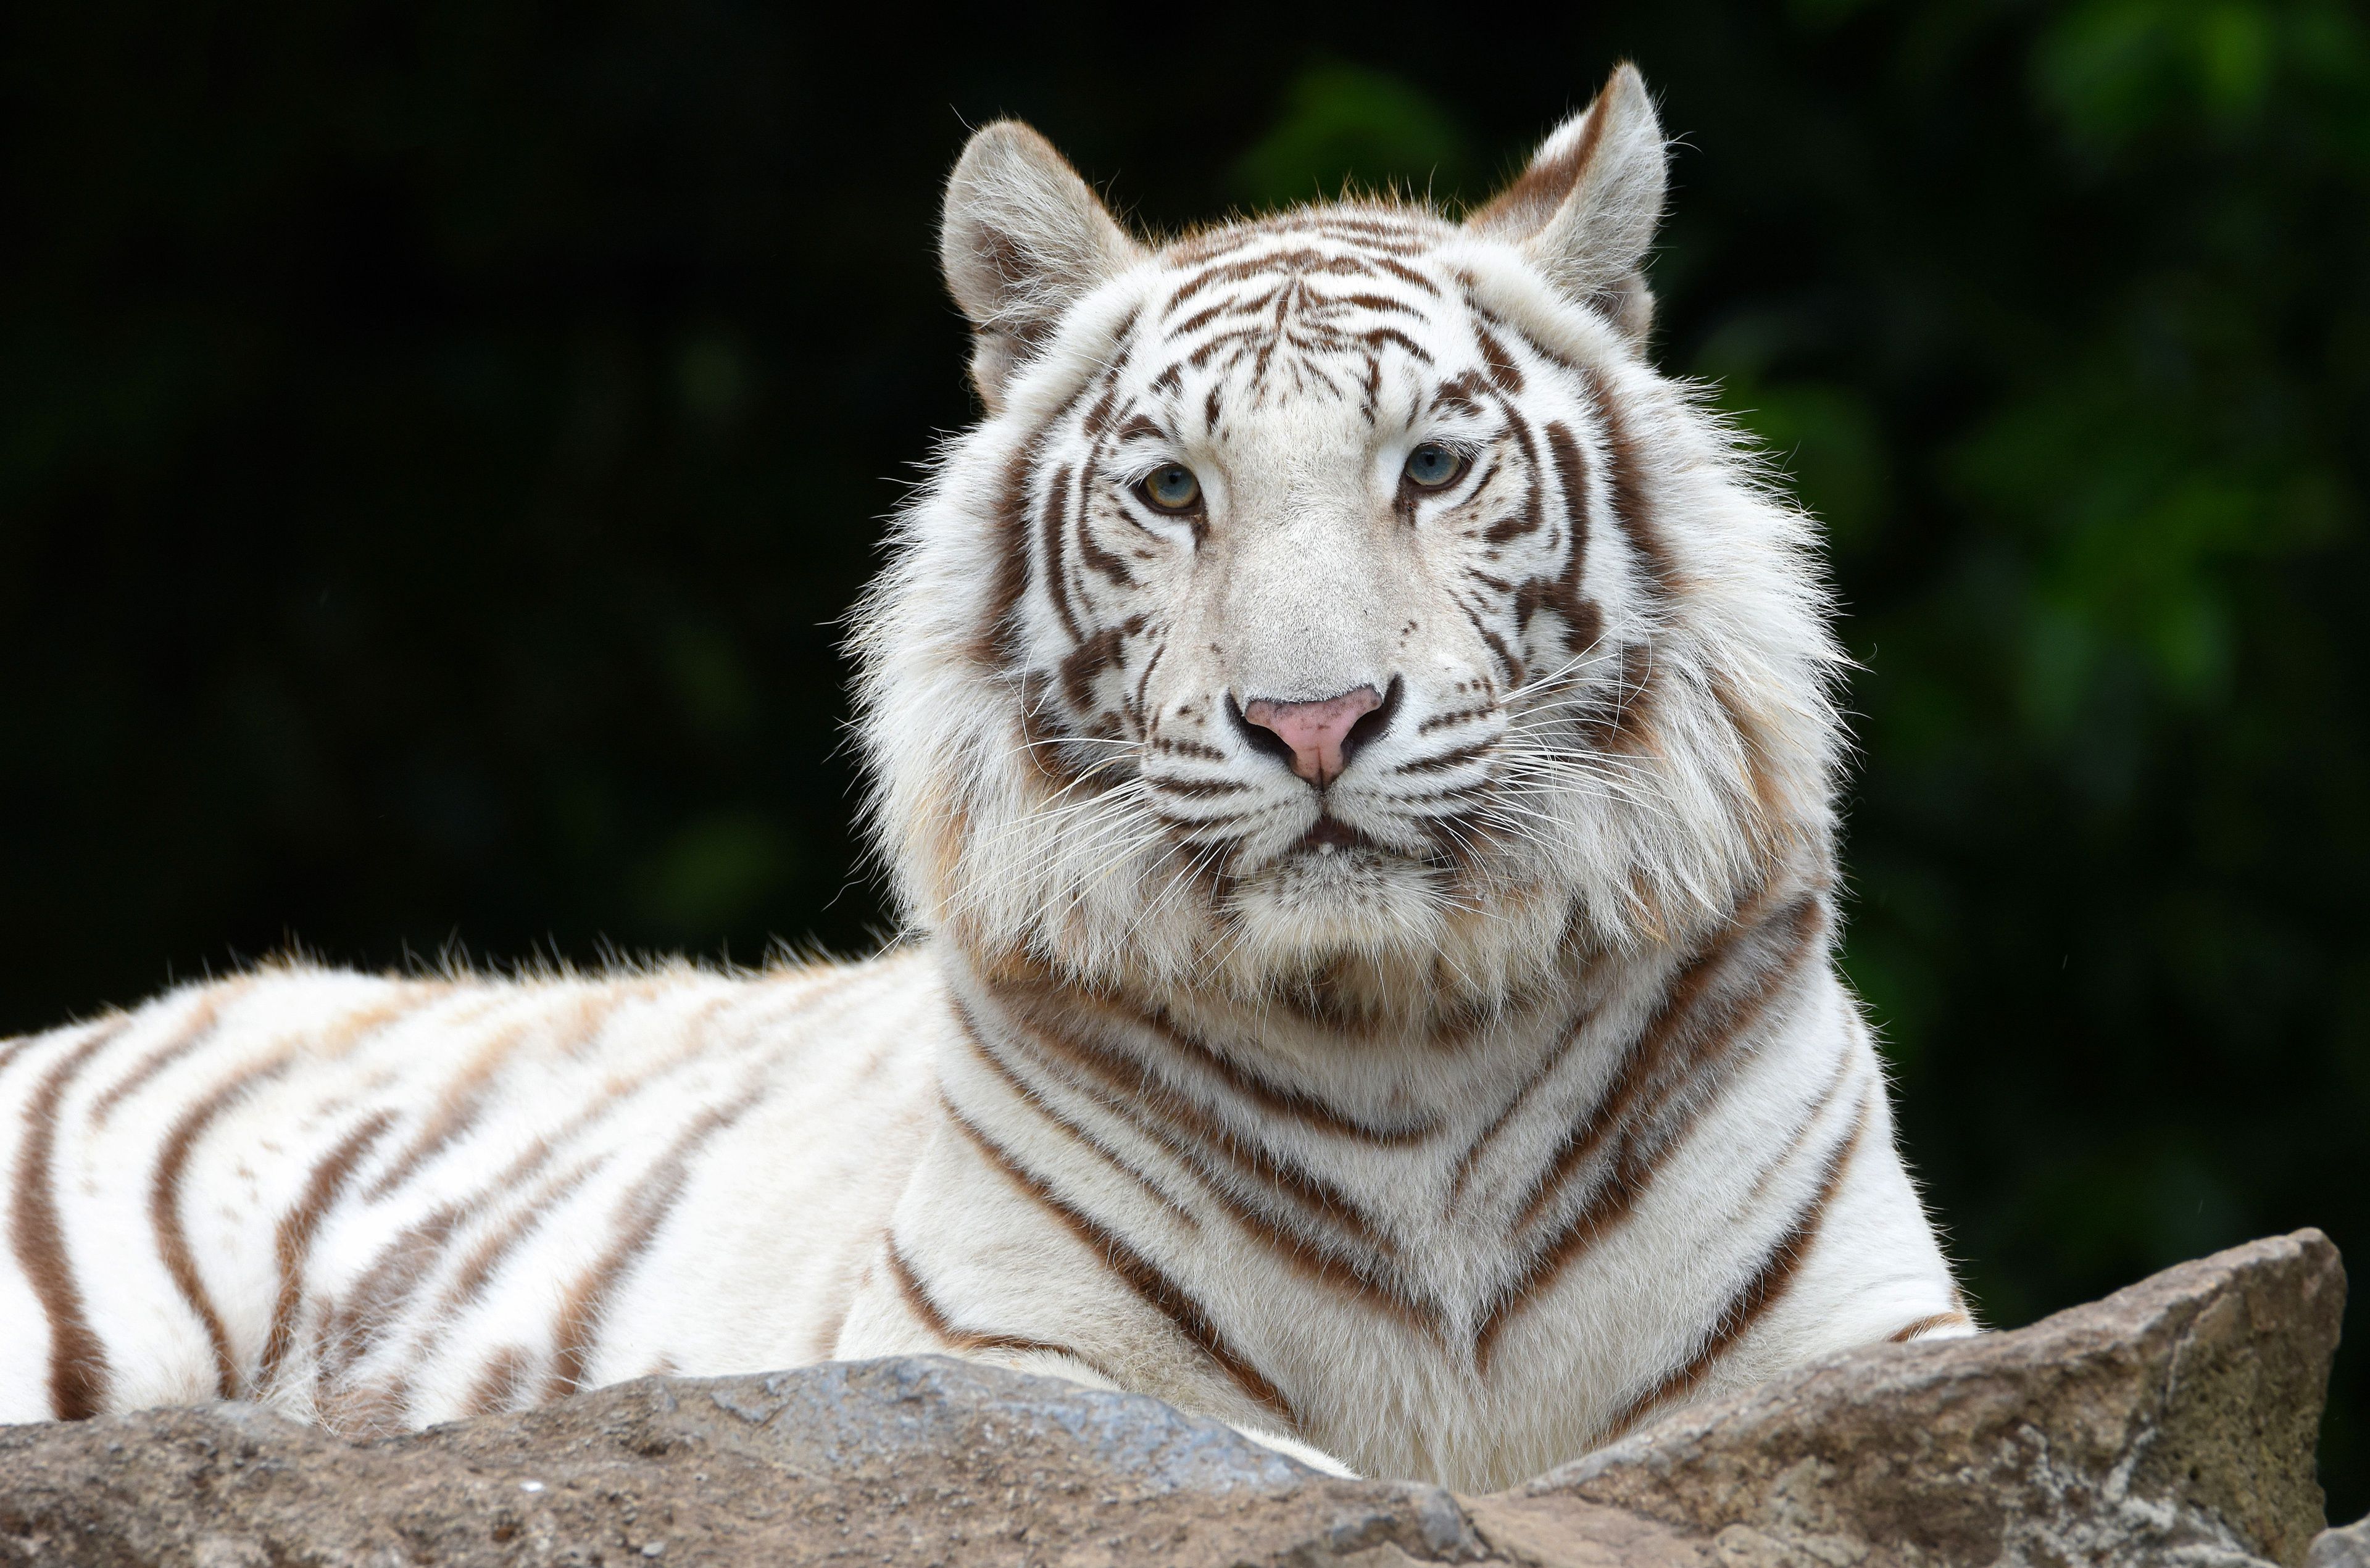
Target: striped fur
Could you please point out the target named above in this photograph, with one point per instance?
(1447, 1119)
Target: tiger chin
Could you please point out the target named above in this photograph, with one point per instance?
(1355, 745)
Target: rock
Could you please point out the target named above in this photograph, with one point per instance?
(2348, 1547)
(919, 1460)
(2171, 1422)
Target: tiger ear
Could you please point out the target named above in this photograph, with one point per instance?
(1585, 209)
(1023, 239)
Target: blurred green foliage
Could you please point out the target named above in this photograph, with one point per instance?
(436, 443)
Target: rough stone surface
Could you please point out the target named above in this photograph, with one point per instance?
(921, 1461)
(2170, 1423)
(2173, 1422)
(2348, 1547)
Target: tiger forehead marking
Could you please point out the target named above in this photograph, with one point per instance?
(1293, 374)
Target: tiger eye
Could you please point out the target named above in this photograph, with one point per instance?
(1431, 465)
(1172, 488)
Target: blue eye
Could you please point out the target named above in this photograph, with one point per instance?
(1171, 488)
(1431, 465)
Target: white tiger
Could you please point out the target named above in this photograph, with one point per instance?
(1355, 749)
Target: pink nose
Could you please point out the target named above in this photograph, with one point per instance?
(1315, 731)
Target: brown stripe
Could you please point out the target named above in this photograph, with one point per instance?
(1237, 339)
(1336, 997)
(1086, 664)
(1057, 576)
(479, 1267)
(1504, 375)
(78, 1373)
(1192, 1138)
(1174, 1120)
(1111, 567)
(1200, 789)
(1121, 349)
(1672, 1072)
(1554, 1059)
(369, 1312)
(593, 1010)
(1440, 762)
(1252, 1085)
(1620, 714)
(165, 1215)
(1406, 274)
(1508, 659)
(1455, 716)
(1138, 1274)
(500, 1384)
(1810, 1124)
(1098, 417)
(991, 648)
(1298, 262)
(1378, 337)
(1383, 302)
(1201, 318)
(643, 1209)
(339, 1040)
(1581, 616)
(1462, 391)
(1507, 529)
(195, 1030)
(1533, 514)
(1693, 1027)
(1210, 244)
(919, 1301)
(1030, 1096)
(457, 1110)
(371, 1309)
(1626, 488)
(293, 1237)
(1908, 1331)
(1764, 1290)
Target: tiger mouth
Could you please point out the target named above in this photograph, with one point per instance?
(1330, 835)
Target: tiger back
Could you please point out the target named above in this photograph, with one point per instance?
(1354, 747)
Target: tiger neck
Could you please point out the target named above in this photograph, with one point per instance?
(1441, 1182)
(1313, 1075)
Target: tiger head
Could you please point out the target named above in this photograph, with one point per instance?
(1338, 597)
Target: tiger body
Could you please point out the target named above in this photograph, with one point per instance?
(1353, 743)
(376, 1203)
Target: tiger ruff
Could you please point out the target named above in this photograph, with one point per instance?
(1373, 898)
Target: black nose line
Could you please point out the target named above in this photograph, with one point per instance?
(1259, 737)
(1372, 724)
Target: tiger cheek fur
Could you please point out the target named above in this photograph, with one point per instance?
(1354, 745)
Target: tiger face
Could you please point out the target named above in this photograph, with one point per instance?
(1307, 546)
(1336, 592)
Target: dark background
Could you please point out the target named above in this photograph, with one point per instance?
(436, 442)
